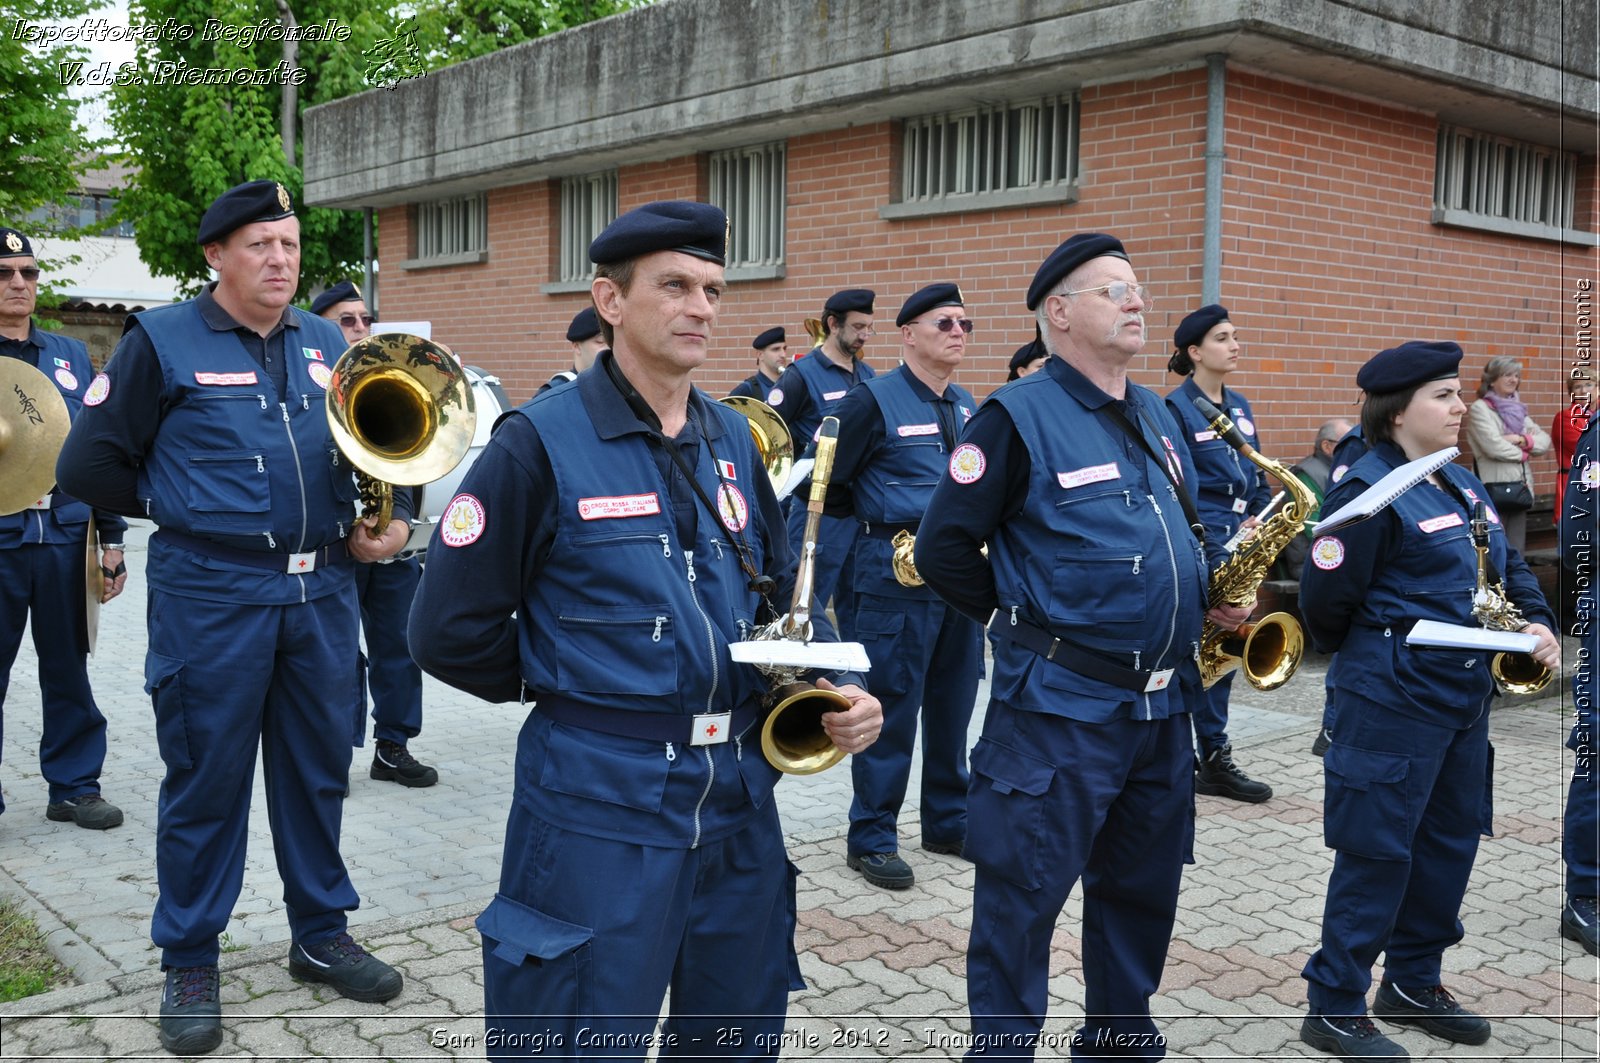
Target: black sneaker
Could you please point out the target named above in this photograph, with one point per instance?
(86, 810)
(351, 970)
(1580, 922)
(1218, 777)
(392, 762)
(1324, 740)
(950, 848)
(191, 1011)
(883, 869)
(1349, 1036)
(1433, 1009)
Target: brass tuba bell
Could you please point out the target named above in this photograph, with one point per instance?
(771, 434)
(401, 409)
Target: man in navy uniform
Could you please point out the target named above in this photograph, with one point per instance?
(806, 393)
(385, 589)
(1580, 835)
(42, 569)
(210, 418)
(584, 335)
(772, 358)
(603, 585)
(896, 434)
(1095, 580)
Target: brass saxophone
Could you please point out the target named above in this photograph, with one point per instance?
(1517, 673)
(1271, 648)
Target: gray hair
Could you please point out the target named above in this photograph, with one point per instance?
(1330, 432)
(1498, 366)
(1041, 315)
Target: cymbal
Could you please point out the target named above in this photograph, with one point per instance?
(33, 425)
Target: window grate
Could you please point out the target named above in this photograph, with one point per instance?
(749, 184)
(588, 205)
(1501, 178)
(452, 226)
(990, 149)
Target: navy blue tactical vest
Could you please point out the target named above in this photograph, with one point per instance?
(66, 362)
(827, 383)
(1100, 554)
(894, 487)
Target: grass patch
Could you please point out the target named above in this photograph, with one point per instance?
(26, 965)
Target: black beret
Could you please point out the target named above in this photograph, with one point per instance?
(243, 205)
(769, 337)
(930, 298)
(343, 292)
(697, 229)
(1192, 329)
(1407, 365)
(1028, 352)
(14, 245)
(850, 301)
(585, 324)
(1069, 256)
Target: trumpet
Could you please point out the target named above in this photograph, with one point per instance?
(792, 736)
(1517, 673)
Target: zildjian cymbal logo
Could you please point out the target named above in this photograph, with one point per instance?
(30, 409)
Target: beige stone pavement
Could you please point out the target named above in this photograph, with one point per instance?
(885, 970)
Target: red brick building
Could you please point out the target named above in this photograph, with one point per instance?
(1341, 176)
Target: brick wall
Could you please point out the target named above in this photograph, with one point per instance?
(1329, 253)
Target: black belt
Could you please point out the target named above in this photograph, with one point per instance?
(886, 531)
(652, 726)
(268, 561)
(1075, 658)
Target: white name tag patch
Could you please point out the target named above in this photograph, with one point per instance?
(1433, 524)
(1205, 437)
(1092, 475)
(613, 506)
(226, 379)
(919, 430)
(829, 396)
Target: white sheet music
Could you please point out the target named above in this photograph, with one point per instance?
(787, 653)
(797, 473)
(1394, 484)
(1463, 637)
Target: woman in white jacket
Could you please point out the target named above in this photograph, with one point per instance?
(1503, 437)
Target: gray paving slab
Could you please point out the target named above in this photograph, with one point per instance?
(885, 970)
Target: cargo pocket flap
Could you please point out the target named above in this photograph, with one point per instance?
(1360, 768)
(1009, 770)
(519, 932)
(879, 622)
(159, 669)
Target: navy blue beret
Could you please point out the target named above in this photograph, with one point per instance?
(584, 325)
(1069, 256)
(769, 337)
(850, 301)
(1028, 352)
(243, 205)
(1192, 329)
(343, 292)
(697, 229)
(14, 245)
(1407, 365)
(930, 298)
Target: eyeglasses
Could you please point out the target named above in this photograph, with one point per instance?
(349, 320)
(945, 324)
(1119, 292)
(859, 330)
(29, 273)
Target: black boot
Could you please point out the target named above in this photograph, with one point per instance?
(1218, 777)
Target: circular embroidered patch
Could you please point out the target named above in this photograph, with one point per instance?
(99, 390)
(320, 375)
(1328, 553)
(967, 464)
(464, 521)
(1334, 476)
(1591, 475)
(732, 508)
(775, 397)
(1247, 426)
(65, 378)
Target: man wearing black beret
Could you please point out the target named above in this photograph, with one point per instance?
(585, 570)
(210, 419)
(345, 306)
(42, 566)
(587, 343)
(896, 434)
(1095, 584)
(772, 358)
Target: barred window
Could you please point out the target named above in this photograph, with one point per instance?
(455, 226)
(749, 184)
(1499, 178)
(588, 205)
(990, 149)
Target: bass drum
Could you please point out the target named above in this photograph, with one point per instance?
(490, 399)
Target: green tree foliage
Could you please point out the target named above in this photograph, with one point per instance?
(191, 142)
(42, 147)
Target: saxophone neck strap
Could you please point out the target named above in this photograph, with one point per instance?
(1120, 419)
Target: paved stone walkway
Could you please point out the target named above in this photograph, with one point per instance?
(885, 969)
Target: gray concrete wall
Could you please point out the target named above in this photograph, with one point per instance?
(690, 75)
